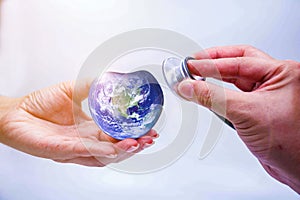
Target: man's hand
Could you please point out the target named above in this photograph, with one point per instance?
(266, 113)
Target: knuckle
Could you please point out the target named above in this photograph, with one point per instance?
(298, 69)
(250, 47)
(239, 61)
(252, 51)
(246, 47)
(295, 65)
(298, 65)
(292, 67)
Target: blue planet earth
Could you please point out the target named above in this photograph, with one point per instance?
(125, 105)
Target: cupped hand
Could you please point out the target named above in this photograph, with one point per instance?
(42, 124)
(265, 113)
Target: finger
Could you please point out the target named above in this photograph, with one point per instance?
(85, 161)
(86, 148)
(231, 52)
(145, 142)
(104, 137)
(225, 102)
(127, 145)
(152, 133)
(134, 146)
(244, 85)
(251, 69)
(126, 148)
(138, 144)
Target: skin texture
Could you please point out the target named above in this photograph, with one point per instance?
(42, 124)
(265, 113)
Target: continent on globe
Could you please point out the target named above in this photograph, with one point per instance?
(125, 105)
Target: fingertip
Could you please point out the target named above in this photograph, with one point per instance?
(186, 89)
(146, 142)
(192, 67)
(145, 139)
(133, 148)
(152, 133)
(146, 145)
(203, 54)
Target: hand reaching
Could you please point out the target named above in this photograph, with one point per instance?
(42, 124)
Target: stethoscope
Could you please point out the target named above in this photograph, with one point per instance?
(175, 70)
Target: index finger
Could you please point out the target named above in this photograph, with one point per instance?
(252, 69)
(231, 52)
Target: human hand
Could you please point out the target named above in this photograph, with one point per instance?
(42, 124)
(266, 113)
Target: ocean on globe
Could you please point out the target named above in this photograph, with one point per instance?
(125, 105)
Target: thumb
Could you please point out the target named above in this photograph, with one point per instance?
(81, 90)
(222, 101)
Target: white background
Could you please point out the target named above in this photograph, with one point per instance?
(46, 42)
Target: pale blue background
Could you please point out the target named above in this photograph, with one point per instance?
(45, 42)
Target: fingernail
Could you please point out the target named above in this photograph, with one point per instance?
(155, 136)
(186, 89)
(133, 148)
(192, 62)
(111, 156)
(146, 145)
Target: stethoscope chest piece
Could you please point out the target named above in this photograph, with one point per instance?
(176, 70)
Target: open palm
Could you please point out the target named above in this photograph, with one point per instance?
(42, 124)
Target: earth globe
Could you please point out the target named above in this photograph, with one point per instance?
(125, 105)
